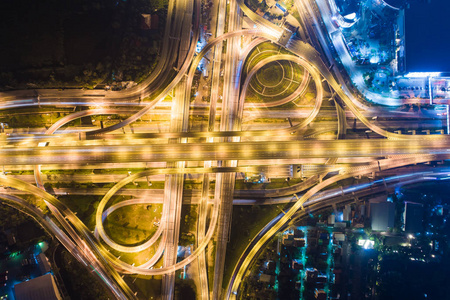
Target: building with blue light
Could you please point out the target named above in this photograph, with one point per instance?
(40, 288)
(382, 215)
(413, 216)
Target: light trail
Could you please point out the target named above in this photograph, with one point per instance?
(128, 151)
(384, 164)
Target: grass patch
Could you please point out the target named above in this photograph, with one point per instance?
(22, 172)
(270, 74)
(85, 207)
(35, 110)
(189, 215)
(147, 288)
(67, 172)
(31, 120)
(118, 171)
(133, 224)
(79, 282)
(262, 51)
(185, 289)
(246, 223)
(275, 183)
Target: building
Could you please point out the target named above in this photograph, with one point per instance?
(40, 288)
(337, 272)
(270, 279)
(311, 275)
(44, 265)
(296, 265)
(331, 219)
(382, 215)
(413, 216)
(339, 236)
(288, 243)
(347, 213)
(312, 242)
(439, 210)
(340, 224)
(337, 251)
(149, 21)
(322, 278)
(155, 22)
(298, 233)
(324, 236)
(320, 294)
(271, 266)
(362, 210)
(288, 239)
(146, 21)
(320, 285)
(299, 242)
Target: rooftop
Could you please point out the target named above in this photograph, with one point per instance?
(40, 288)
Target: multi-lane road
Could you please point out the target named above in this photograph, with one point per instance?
(221, 151)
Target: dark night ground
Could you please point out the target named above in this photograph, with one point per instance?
(75, 41)
(405, 279)
(427, 36)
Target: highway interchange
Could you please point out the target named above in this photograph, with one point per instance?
(221, 151)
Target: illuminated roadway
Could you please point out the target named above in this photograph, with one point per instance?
(229, 120)
(223, 148)
(222, 151)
